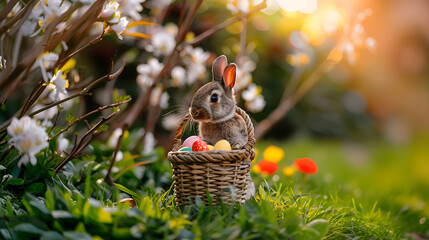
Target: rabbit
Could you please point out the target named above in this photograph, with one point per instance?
(213, 107)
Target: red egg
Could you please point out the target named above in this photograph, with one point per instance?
(199, 145)
(268, 167)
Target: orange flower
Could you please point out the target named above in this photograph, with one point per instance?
(305, 165)
(268, 167)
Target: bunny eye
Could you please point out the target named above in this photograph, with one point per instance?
(214, 98)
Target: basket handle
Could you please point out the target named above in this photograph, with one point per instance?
(250, 131)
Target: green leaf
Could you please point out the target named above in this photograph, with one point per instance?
(33, 173)
(77, 235)
(29, 229)
(320, 225)
(70, 119)
(135, 195)
(51, 235)
(122, 98)
(15, 181)
(103, 128)
(36, 188)
(61, 214)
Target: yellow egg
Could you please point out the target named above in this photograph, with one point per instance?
(222, 145)
(210, 147)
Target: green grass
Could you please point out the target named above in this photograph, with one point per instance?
(372, 190)
(386, 184)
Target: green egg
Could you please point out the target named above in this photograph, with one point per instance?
(185, 149)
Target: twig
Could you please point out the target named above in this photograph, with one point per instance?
(285, 106)
(243, 34)
(92, 42)
(84, 141)
(55, 121)
(6, 10)
(109, 179)
(83, 92)
(182, 14)
(22, 15)
(5, 153)
(187, 22)
(86, 115)
(225, 24)
(130, 167)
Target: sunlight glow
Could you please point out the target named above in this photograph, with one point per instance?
(304, 6)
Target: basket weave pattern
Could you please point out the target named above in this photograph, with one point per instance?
(223, 174)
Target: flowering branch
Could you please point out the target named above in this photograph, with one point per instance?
(287, 104)
(84, 141)
(225, 24)
(88, 114)
(108, 177)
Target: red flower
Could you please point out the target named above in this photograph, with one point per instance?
(306, 165)
(268, 167)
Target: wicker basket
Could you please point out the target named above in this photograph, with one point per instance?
(222, 174)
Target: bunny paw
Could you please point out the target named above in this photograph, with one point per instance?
(236, 146)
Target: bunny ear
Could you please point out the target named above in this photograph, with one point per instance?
(219, 65)
(229, 75)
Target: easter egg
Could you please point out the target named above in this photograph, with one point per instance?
(128, 201)
(222, 145)
(210, 147)
(185, 149)
(190, 140)
(199, 145)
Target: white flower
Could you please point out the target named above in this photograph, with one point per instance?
(304, 6)
(251, 93)
(28, 138)
(57, 86)
(195, 60)
(63, 143)
(110, 13)
(243, 79)
(48, 60)
(149, 143)
(28, 28)
(299, 39)
(195, 72)
(42, 14)
(198, 55)
(147, 72)
(256, 105)
(119, 157)
(19, 126)
(171, 122)
(47, 114)
(254, 100)
(132, 8)
(120, 27)
(163, 43)
(113, 140)
(236, 6)
(159, 4)
(178, 76)
(371, 43)
(2, 62)
(85, 1)
(159, 98)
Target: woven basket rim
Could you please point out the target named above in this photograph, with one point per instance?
(247, 147)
